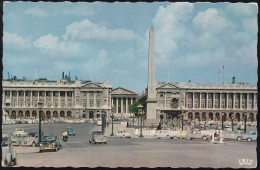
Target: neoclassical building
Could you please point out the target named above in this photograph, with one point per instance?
(205, 101)
(195, 101)
(63, 98)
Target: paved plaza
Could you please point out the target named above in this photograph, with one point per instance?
(135, 152)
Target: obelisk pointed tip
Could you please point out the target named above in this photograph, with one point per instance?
(151, 28)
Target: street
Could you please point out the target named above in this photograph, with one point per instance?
(138, 152)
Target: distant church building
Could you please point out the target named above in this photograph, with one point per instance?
(196, 101)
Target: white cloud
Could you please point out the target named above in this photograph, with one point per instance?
(98, 61)
(169, 25)
(86, 30)
(51, 45)
(210, 21)
(242, 9)
(15, 41)
(36, 12)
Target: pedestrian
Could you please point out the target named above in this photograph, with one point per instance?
(65, 135)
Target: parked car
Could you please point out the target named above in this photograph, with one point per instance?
(249, 137)
(196, 134)
(97, 137)
(19, 132)
(181, 135)
(122, 134)
(231, 135)
(8, 152)
(99, 122)
(70, 121)
(70, 131)
(50, 143)
(228, 128)
(30, 140)
(163, 134)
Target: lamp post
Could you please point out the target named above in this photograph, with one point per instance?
(103, 121)
(222, 121)
(140, 113)
(245, 117)
(40, 121)
(112, 134)
(232, 122)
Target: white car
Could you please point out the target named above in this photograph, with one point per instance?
(97, 137)
(163, 134)
(30, 140)
(99, 122)
(122, 134)
(8, 152)
(19, 132)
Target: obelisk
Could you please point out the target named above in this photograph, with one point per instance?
(151, 88)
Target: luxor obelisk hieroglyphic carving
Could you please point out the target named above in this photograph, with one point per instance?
(151, 94)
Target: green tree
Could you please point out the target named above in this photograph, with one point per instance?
(133, 108)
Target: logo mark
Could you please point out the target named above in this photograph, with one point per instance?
(245, 161)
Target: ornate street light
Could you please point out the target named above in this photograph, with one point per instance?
(232, 122)
(141, 113)
(103, 121)
(112, 134)
(222, 121)
(245, 118)
(40, 105)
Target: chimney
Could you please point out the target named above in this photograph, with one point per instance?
(62, 75)
(233, 80)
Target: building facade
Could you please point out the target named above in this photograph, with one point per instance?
(205, 101)
(63, 98)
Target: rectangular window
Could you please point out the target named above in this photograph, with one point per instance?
(91, 103)
(84, 93)
(48, 93)
(62, 93)
(84, 104)
(35, 93)
(14, 93)
(98, 94)
(55, 93)
(41, 93)
(98, 103)
(7, 93)
(21, 93)
(28, 94)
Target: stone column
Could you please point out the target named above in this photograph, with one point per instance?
(207, 98)
(122, 104)
(234, 101)
(240, 101)
(220, 100)
(38, 98)
(66, 100)
(112, 103)
(116, 104)
(254, 104)
(95, 100)
(17, 98)
(58, 102)
(131, 101)
(184, 103)
(247, 101)
(199, 101)
(193, 99)
(52, 104)
(213, 103)
(165, 100)
(126, 105)
(11, 96)
(24, 105)
(45, 99)
(227, 102)
(31, 99)
(3, 102)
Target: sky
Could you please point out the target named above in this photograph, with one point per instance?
(201, 42)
